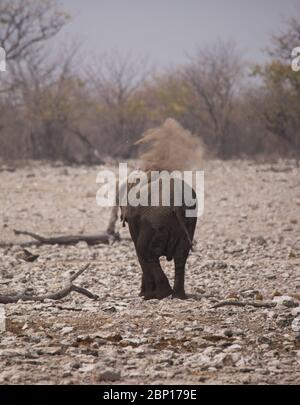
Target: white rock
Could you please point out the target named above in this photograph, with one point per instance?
(249, 293)
(2, 319)
(234, 348)
(296, 311)
(66, 330)
(82, 244)
(285, 300)
(296, 324)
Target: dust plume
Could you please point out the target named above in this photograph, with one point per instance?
(170, 147)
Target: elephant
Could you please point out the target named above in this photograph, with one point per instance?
(161, 231)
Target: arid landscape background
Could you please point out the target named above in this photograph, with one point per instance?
(66, 113)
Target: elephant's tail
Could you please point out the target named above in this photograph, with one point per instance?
(179, 216)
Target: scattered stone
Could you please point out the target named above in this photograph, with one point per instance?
(2, 319)
(234, 348)
(296, 324)
(107, 375)
(271, 276)
(276, 294)
(110, 310)
(284, 320)
(285, 300)
(264, 340)
(295, 311)
(82, 244)
(291, 254)
(233, 250)
(259, 240)
(228, 332)
(76, 365)
(249, 293)
(258, 297)
(262, 371)
(52, 351)
(66, 330)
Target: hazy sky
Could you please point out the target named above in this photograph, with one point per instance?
(165, 30)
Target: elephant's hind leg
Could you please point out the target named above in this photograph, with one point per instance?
(155, 283)
(148, 283)
(180, 259)
(162, 285)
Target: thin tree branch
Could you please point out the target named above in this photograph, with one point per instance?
(255, 304)
(62, 293)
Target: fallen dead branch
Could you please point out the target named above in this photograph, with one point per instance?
(63, 292)
(103, 238)
(256, 304)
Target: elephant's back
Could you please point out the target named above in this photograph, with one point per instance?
(156, 216)
(158, 225)
(161, 228)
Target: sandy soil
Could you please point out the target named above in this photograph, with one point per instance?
(248, 248)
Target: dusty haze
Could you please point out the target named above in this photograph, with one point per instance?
(170, 147)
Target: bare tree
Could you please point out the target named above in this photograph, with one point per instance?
(213, 76)
(25, 24)
(54, 102)
(281, 110)
(33, 85)
(120, 111)
(284, 42)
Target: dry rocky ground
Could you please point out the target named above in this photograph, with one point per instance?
(248, 249)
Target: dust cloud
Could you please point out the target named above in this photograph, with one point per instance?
(170, 147)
